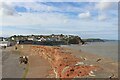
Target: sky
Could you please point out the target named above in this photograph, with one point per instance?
(85, 19)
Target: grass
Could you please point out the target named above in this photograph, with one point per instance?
(25, 72)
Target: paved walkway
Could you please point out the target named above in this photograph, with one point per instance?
(10, 65)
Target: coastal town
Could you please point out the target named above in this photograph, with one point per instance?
(42, 39)
(51, 40)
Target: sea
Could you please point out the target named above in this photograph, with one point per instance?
(107, 49)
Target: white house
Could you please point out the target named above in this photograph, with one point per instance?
(42, 39)
(17, 42)
(32, 38)
(4, 43)
(13, 38)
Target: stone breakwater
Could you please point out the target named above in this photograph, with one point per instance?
(63, 64)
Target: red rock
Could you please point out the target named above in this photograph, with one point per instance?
(59, 60)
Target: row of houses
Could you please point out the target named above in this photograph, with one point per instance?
(48, 43)
(39, 38)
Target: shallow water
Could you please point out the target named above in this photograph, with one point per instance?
(106, 49)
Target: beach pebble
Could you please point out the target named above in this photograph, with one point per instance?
(91, 74)
(98, 60)
(91, 65)
(112, 76)
(83, 58)
(79, 63)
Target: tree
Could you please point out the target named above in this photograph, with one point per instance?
(61, 35)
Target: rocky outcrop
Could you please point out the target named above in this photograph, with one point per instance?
(63, 64)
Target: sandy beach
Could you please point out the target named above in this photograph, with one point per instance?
(64, 62)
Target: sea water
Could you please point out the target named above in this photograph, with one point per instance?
(106, 49)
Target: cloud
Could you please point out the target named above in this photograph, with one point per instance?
(37, 7)
(102, 17)
(59, 0)
(106, 10)
(67, 18)
(103, 5)
(85, 15)
(42, 19)
(7, 9)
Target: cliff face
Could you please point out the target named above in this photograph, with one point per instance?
(63, 64)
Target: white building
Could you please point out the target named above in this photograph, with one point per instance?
(4, 43)
(32, 38)
(13, 38)
(17, 42)
(42, 39)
